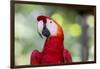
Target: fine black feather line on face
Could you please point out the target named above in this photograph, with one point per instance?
(40, 35)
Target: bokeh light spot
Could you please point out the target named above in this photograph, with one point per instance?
(90, 21)
(75, 30)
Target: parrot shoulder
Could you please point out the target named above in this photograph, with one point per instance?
(67, 56)
(35, 57)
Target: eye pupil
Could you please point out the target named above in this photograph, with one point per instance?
(50, 21)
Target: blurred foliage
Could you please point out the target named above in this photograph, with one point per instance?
(27, 38)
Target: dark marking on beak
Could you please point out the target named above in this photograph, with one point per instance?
(45, 31)
(40, 35)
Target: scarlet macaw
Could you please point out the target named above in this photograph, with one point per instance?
(53, 51)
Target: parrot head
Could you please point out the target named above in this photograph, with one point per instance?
(48, 27)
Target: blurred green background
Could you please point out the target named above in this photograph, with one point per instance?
(78, 31)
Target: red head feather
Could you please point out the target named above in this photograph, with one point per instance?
(44, 18)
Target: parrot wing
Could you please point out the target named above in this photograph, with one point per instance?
(67, 56)
(35, 57)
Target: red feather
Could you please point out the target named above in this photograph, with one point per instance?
(67, 56)
(53, 51)
(35, 57)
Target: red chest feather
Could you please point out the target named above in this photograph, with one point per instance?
(53, 51)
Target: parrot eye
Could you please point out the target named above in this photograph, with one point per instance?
(50, 21)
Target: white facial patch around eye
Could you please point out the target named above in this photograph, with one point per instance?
(40, 26)
(52, 27)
